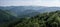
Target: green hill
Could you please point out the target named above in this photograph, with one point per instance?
(49, 19)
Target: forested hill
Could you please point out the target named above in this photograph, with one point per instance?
(51, 19)
(48, 19)
(6, 18)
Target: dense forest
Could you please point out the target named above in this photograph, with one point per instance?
(48, 19)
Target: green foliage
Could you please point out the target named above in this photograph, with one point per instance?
(49, 19)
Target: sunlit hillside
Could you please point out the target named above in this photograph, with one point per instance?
(51, 19)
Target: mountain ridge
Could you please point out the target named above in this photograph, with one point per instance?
(21, 10)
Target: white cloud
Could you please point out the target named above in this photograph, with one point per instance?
(47, 3)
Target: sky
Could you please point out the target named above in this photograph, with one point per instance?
(30, 3)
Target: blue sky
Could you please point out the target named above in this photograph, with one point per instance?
(29, 2)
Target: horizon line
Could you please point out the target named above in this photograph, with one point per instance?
(29, 5)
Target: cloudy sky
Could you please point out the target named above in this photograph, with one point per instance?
(29, 3)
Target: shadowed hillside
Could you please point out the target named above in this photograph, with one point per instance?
(6, 18)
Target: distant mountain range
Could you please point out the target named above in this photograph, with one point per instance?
(12, 16)
(23, 11)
